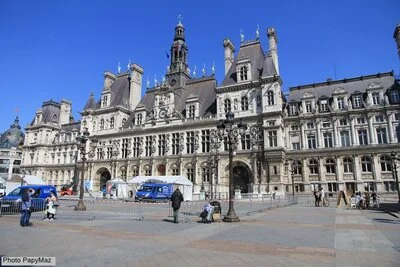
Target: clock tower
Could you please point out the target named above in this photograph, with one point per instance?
(178, 71)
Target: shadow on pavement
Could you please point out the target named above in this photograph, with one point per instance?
(386, 221)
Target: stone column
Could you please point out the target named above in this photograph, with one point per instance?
(371, 130)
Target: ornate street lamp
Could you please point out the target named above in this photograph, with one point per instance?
(394, 172)
(225, 129)
(292, 171)
(82, 147)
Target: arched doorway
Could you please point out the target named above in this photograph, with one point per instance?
(241, 177)
(104, 175)
(161, 170)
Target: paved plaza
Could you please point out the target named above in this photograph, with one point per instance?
(287, 236)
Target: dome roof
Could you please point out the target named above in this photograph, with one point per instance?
(13, 137)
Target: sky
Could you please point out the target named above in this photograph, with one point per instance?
(60, 49)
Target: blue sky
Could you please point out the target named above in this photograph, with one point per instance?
(60, 49)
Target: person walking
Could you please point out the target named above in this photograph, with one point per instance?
(52, 204)
(176, 199)
(26, 207)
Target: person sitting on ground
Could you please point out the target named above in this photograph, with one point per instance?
(210, 210)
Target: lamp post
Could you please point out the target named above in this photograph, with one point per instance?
(82, 147)
(292, 171)
(225, 129)
(394, 172)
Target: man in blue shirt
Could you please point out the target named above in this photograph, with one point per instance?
(26, 206)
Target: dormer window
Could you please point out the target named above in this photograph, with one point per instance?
(192, 112)
(375, 98)
(104, 103)
(394, 96)
(270, 98)
(112, 121)
(340, 102)
(323, 106)
(293, 109)
(244, 103)
(243, 73)
(308, 106)
(102, 124)
(357, 103)
(139, 119)
(227, 105)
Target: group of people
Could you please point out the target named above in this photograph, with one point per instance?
(26, 207)
(365, 202)
(319, 196)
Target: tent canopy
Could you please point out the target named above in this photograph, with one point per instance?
(117, 181)
(31, 179)
(166, 179)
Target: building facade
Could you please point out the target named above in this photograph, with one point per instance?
(11, 142)
(334, 134)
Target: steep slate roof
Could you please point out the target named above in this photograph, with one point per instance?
(261, 65)
(50, 112)
(120, 91)
(91, 103)
(71, 126)
(351, 86)
(203, 88)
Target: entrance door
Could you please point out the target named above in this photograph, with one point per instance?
(241, 178)
(105, 176)
(161, 170)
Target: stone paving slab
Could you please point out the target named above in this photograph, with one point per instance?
(290, 236)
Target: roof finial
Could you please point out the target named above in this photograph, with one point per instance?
(129, 65)
(258, 32)
(213, 68)
(180, 18)
(204, 70)
(147, 82)
(241, 36)
(119, 67)
(155, 80)
(194, 71)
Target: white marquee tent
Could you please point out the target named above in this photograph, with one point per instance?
(181, 182)
(118, 188)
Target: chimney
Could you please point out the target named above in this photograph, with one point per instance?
(135, 88)
(273, 41)
(65, 112)
(109, 79)
(229, 57)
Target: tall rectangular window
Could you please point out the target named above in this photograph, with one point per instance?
(345, 138)
(125, 147)
(394, 96)
(340, 102)
(362, 137)
(311, 141)
(175, 144)
(381, 134)
(205, 141)
(136, 147)
(375, 98)
(192, 112)
(162, 144)
(273, 138)
(357, 103)
(148, 146)
(245, 141)
(190, 142)
(328, 139)
(308, 107)
(109, 152)
(190, 174)
(323, 106)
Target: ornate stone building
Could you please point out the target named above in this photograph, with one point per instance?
(335, 134)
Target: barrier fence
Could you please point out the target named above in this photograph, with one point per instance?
(128, 209)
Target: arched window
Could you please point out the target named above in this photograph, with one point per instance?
(227, 105)
(190, 172)
(175, 169)
(386, 164)
(270, 97)
(147, 170)
(135, 170)
(102, 124)
(313, 166)
(245, 103)
(330, 166)
(123, 121)
(348, 165)
(243, 73)
(366, 165)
